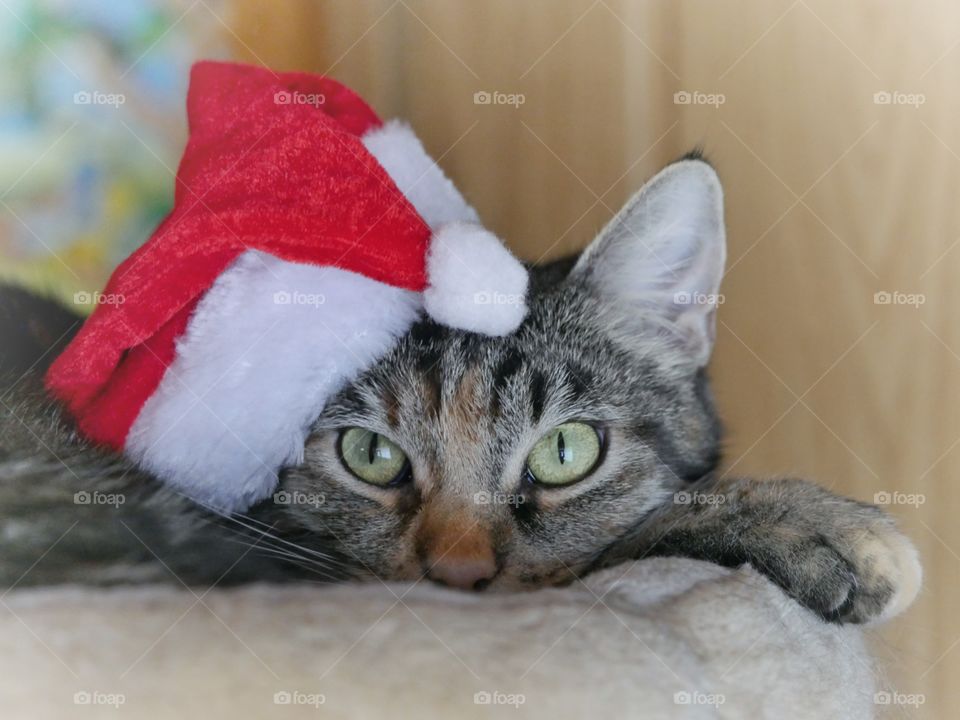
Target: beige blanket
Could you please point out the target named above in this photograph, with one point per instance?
(659, 638)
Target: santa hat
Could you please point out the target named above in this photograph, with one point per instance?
(306, 237)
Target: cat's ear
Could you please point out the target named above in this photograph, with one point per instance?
(661, 258)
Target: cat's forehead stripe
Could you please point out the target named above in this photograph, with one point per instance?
(509, 365)
(538, 395)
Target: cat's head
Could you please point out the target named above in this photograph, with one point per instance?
(517, 461)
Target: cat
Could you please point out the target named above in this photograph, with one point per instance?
(585, 439)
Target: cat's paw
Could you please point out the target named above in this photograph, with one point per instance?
(860, 576)
(890, 558)
(843, 559)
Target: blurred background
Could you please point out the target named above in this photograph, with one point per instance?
(833, 126)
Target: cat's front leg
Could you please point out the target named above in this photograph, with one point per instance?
(843, 559)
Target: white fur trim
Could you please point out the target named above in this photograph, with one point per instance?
(402, 155)
(267, 346)
(475, 283)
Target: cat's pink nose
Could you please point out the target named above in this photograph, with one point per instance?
(455, 548)
(465, 573)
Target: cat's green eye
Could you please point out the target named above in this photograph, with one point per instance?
(372, 457)
(567, 454)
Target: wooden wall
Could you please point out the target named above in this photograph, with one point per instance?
(831, 198)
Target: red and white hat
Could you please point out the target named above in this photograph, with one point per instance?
(306, 237)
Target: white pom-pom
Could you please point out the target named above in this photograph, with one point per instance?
(474, 283)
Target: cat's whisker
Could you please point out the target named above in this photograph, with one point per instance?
(263, 536)
(319, 556)
(305, 563)
(268, 549)
(322, 572)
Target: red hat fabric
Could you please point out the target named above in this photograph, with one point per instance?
(289, 184)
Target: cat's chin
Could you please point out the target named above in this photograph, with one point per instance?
(506, 581)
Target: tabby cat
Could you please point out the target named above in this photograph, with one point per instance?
(585, 439)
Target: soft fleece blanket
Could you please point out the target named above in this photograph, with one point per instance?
(658, 638)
